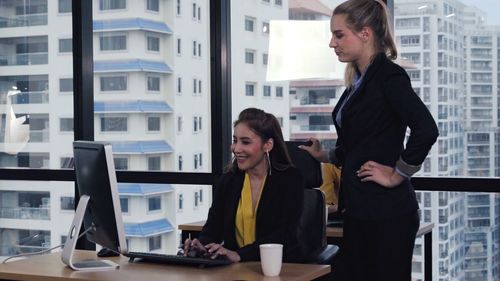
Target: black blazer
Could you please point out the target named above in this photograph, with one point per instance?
(278, 214)
(373, 127)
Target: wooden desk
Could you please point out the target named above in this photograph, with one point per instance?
(50, 267)
(334, 236)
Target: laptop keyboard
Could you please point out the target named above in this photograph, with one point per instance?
(177, 260)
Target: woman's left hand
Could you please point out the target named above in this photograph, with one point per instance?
(384, 175)
(218, 250)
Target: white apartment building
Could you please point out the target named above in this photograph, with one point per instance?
(439, 36)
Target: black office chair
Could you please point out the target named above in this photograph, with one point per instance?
(312, 225)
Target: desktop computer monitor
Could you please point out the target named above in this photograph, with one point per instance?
(99, 208)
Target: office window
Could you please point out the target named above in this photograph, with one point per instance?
(194, 10)
(121, 163)
(199, 86)
(199, 13)
(154, 163)
(279, 91)
(266, 91)
(199, 50)
(66, 85)
(249, 89)
(195, 124)
(111, 42)
(249, 56)
(113, 83)
(113, 124)
(112, 4)
(66, 124)
(153, 123)
(67, 203)
(178, 7)
(179, 124)
(153, 5)
(153, 43)
(266, 1)
(153, 83)
(179, 46)
(194, 48)
(155, 243)
(195, 161)
(195, 85)
(179, 162)
(200, 156)
(67, 163)
(200, 192)
(265, 58)
(179, 85)
(154, 203)
(265, 27)
(64, 6)
(199, 123)
(124, 204)
(180, 202)
(65, 45)
(278, 2)
(249, 24)
(196, 199)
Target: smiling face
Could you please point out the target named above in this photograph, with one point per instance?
(249, 150)
(348, 45)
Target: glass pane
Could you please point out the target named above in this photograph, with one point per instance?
(148, 86)
(153, 211)
(35, 215)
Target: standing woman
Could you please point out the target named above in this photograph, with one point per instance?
(376, 196)
(258, 200)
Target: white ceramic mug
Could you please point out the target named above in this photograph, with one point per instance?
(271, 257)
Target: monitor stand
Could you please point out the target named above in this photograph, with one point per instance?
(70, 244)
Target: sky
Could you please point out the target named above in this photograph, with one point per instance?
(492, 8)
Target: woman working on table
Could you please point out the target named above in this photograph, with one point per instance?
(258, 200)
(376, 197)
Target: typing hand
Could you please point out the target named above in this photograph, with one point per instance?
(217, 250)
(384, 175)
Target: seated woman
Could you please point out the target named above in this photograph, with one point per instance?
(258, 199)
(330, 186)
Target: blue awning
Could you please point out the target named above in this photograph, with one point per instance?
(141, 147)
(131, 24)
(132, 106)
(141, 189)
(131, 65)
(149, 228)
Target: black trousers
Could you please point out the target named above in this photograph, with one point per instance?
(379, 250)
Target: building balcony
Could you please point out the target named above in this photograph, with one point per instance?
(307, 105)
(299, 132)
(23, 20)
(24, 59)
(39, 135)
(25, 213)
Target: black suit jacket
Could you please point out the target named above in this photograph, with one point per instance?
(373, 127)
(278, 214)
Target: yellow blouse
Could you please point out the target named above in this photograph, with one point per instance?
(245, 216)
(331, 183)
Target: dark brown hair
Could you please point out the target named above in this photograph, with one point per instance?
(266, 126)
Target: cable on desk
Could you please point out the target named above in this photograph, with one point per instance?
(43, 251)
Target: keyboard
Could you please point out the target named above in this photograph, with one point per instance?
(177, 259)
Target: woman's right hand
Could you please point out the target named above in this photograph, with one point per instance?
(193, 245)
(315, 150)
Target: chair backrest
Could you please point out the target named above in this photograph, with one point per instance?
(308, 166)
(312, 229)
